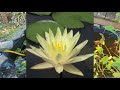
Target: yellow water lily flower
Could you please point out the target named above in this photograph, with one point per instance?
(59, 51)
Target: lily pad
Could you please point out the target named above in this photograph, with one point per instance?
(40, 28)
(72, 19)
(42, 13)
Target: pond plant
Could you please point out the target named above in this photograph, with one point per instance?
(59, 51)
(71, 20)
(107, 65)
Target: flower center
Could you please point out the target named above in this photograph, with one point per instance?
(59, 46)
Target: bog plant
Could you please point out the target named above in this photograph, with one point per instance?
(59, 51)
(106, 65)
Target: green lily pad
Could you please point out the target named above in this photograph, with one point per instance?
(40, 28)
(72, 19)
(42, 13)
(87, 17)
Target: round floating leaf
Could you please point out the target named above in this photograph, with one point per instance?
(40, 28)
(86, 17)
(42, 13)
(73, 19)
(68, 19)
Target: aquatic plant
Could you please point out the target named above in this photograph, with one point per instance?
(106, 64)
(59, 51)
(70, 20)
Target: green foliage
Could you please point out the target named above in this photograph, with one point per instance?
(40, 28)
(105, 65)
(110, 28)
(18, 50)
(25, 42)
(104, 59)
(20, 65)
(117, 62)
(116, 74)
(118, 17)
(99, 50)
(61, 19)
(72, 19)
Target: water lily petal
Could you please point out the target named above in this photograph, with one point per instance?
(47, 37)
(52, 38)
(77, 49)
(72, 69)
(68, 37)
(59, 68)
(70, 34)
(44, 65)
(39, 51)
(42, 42)
(58, 35)
(33, 52)
(78, 58)
(72, 43)
(53, 62)
(65, 33)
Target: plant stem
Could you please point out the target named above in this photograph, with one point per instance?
(119, 47)
(116, 69)
(107, 50)
(115, 53)
(102, 71)
(61, 75)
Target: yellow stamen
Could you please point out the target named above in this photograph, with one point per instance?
(59, 46)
